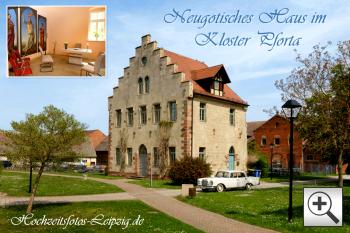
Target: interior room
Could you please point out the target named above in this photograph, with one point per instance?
(56, 41)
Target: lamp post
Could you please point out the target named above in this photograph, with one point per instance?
(291, 109)
(271, 154)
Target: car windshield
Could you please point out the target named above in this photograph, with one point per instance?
(222, 174)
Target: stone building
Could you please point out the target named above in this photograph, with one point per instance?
(209, 119)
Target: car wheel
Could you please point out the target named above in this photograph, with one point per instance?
(220, 188)
(248, 186)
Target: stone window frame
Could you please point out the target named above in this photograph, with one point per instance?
(202, 112)
(129, 152)
(262, 139)
(147, 85)
(143, 118)
(154, 113)
(118, 118)
(130, 116)
(202, 153)
(172, 116)
(232, 117)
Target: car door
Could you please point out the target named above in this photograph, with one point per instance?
(241, 179)
(231, 181)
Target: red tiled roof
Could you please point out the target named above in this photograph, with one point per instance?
(96, 137)
(205, 73)
(196, 70)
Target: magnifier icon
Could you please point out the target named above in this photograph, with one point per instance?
(319, 203)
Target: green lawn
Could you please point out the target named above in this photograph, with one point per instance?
(16, 184)
(166, 184)
(154, 221)
(266, 207)
(278, 179)
(79, 174)
(88, 174)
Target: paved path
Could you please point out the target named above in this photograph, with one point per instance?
(194, 216)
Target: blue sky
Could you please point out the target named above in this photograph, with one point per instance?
(252, 69)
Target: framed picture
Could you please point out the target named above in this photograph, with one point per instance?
(29, 28)
(12, 29)
(42, 32)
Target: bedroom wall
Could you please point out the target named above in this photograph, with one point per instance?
(69, 24)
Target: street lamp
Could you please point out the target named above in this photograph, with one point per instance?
(271, 154)
(291, 109)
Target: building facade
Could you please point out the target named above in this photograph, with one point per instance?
(275, 132)
(208, 118)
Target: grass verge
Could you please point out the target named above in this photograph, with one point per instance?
(154, 221)
(267, 208)
(16, 184)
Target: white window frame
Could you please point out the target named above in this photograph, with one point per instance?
(203, 112)
(97, 21)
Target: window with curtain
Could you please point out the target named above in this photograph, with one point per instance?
(97, 26)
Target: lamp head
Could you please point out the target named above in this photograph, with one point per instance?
(291, 108)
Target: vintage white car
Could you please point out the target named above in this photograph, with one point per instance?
(227, 180)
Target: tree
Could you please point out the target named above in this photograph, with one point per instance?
(46, 138)
(164, 136)
(321, 84)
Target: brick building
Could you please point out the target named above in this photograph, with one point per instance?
(209, 119)
(275, 131)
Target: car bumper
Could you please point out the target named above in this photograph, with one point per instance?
(206, 187)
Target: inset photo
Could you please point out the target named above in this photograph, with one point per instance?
(56, 41)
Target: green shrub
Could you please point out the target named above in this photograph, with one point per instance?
(260, 163)
(188, 170)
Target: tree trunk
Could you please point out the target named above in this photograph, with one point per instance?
(30, 176)
(340, 170)
(35, 188)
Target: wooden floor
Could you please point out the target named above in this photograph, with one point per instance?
(61, 67)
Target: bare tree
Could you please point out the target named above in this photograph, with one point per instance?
(164, 136)
(123, 140)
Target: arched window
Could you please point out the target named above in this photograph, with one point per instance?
(147, 84)
(140, 86)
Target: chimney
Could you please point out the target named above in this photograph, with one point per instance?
(146, 39)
